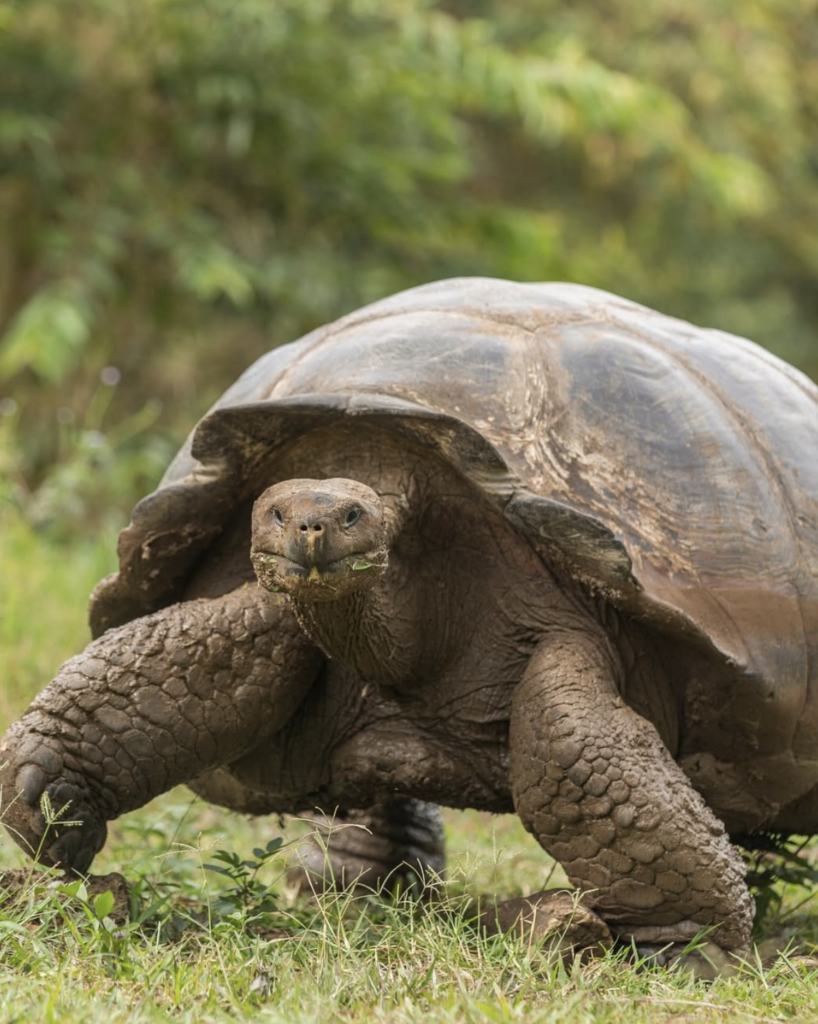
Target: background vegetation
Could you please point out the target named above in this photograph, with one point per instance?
(185, 183)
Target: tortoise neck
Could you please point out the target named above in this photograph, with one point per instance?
(375, 632)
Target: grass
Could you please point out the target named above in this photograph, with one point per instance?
(63, 958)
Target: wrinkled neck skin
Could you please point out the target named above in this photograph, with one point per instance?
(385, 633)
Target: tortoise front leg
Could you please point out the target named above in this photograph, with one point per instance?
(595, 785)
(146, 706)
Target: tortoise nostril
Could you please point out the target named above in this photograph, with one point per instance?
(318, 528)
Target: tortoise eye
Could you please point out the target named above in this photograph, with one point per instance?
(278, 517)
(353, 516)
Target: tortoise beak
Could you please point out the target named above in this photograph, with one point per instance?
(312, 541)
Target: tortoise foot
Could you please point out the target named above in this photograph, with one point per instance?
(555, 918)
(318, 870)
(704, 961)
(392, 846)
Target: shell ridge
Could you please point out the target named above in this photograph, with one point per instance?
(792, 373)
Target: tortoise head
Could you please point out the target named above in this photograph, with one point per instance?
(319, 539)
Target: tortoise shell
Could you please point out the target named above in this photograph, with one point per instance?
(668, 467)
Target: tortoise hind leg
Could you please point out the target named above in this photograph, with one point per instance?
(394, 842)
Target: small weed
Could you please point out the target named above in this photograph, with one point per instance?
(773, 861)
(247, 898)
(95, 928)
(52, 817)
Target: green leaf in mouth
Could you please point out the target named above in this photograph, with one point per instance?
(361, 564)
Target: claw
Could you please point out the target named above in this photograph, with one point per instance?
(77, 835)
(30, 782)
(54, 822)
(76, 848)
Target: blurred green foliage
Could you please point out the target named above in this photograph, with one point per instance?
(185, 184)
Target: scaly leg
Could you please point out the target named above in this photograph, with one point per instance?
(595, 785)
(146, 706)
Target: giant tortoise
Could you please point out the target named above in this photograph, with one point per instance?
(517, 547)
